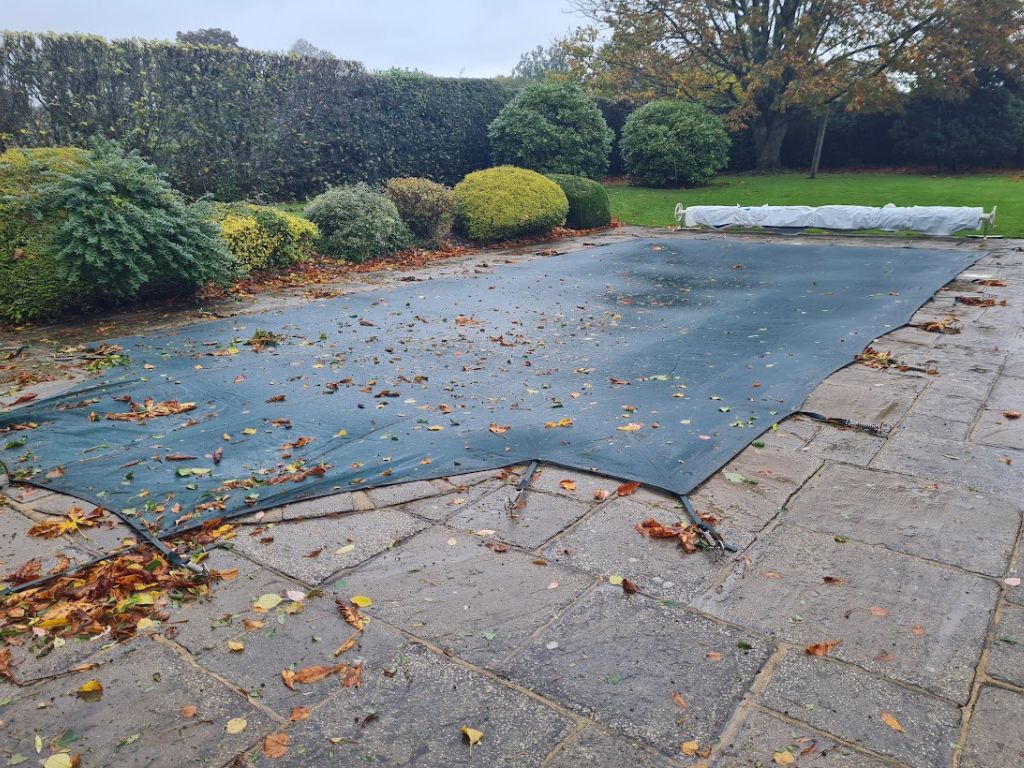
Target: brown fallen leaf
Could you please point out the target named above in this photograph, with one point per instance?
(1012, 415)
(5, 664)
(679, 700)
(299, 713)
(627, 489)
(275, 745)
(891, 721)
(351, 613)
(713, 656)
(189, 710)
(353, 677)
(630, 587)
(918, 629)
(876, 610)
(822, 649)
(886, 657)
(601, 494)
(499, 429)
(834, 581)
(567, 485)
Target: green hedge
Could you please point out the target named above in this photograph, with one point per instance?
(507, 202)
(264, 237)
(588, 201)
(242, 123)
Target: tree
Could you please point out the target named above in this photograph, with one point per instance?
(766, 60)
(535, 65)
(303, 47)
(211, 36)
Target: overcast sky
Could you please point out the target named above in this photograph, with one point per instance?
(443, 37)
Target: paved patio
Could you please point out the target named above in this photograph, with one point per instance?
(899, 538)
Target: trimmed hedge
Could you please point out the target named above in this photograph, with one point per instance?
(263, 237)
(427, 208)
(552, 128)
(357, 223)
(507, 202)
(242, 123)
(588, 201)
(674, 143)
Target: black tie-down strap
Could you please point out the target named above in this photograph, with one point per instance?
(708, 533)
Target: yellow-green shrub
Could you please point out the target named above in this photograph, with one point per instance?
(31, 282)
(263, 237)
(506, 202)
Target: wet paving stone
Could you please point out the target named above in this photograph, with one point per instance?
(752, 488)
(998, 470)
(1006, 653)
(994, 428)
(137, 722)
(324, 506)
(343, 542)
(446, 587)
(904, 618)
(291, 641)
(399, 493)
(594, 661)
(17, 548)
(972, 530)
(607, 544)
(846, 701)
(544, 515)
(211, 621)
(762, 736)
(549, 478)
(597, 749)
(409, 712)
(440, 508)
(995, 735)
(846, 445)
(881, 404)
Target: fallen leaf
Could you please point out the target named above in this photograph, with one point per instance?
(236, 725)
(311, 674)
(713, 656)
(822, 649)
(553, 585)
(91, 690)
(630, 587)
(362, 601)
(567, 485)
(189, 710)
(499, 429)
(631, 427)
(601, 494)
(275, 745)
(891, 721)
(267, 603)
(877, 611)
(60, 760)
(689, 748)
(1011, 415)
(1012, 581)
(783, 757)
(236, 646)
(295, 595)
(627, 489)
(679, 700)
(556, 424)
(918, 629)
(615, 581)
(473, 736)
(299, 713)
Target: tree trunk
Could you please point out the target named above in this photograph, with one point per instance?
(769, 131)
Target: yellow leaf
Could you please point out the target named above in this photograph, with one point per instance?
(60, 760)
(91, 686)
(434, 428)
(267, 602)
(689, 748)
(891, 721)
(248, 431)
(346, 549)
(362, 601)
(39, 743)
(568, 485)
(235, 645)
(560, 423)
(783, 757)
(144, 598)
(630, 427)
(615, 581)
(236, 725)
(146, 623)
(472, 735)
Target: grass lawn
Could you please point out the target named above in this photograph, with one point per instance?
(655, 207)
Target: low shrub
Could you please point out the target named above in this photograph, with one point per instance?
(507, 202)
(427, 208)
(32, 283)
(674, 143)
(357, 223)
(552, 128)
(121, 229)
(588, 201)
(263, 237)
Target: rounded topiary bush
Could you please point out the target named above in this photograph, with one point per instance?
(588, 201)
(32, 284)
(264, 237)
(552, 128)
(673, 143)
(357, 223)
(506, 202)
(427, 208)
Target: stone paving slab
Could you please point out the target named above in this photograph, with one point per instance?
(446, 587)
(549, 478)
(199, 625)
(607, 544)
(846, 445)
(321, 507)
(17, 547)
(884, 609)
(390, 495)
(440, 508)
(998, 470)
(292, 641)
(137, 722)
(762, 736)
(844, 700)
(881, 405)
(593, 661)
(954, 525)
(767, 478)
(1006, 653)
(1007, 394)
(410, 714)
(598, 749)
(995, 737)
(311, 551)
(993, 428)
(543, 516)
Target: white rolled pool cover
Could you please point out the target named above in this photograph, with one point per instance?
(927, 219)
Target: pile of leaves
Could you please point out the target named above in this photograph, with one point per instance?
(687, 534)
